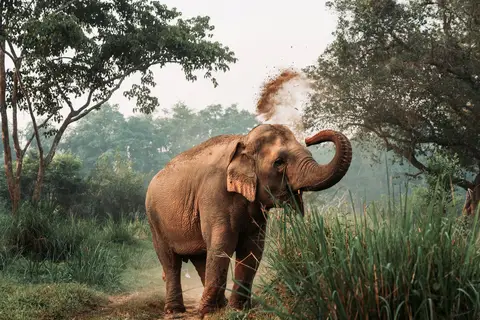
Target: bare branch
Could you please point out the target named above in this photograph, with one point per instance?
(98, 104)
(120, 78)
(34, 121)
(16, 142)
(410, 156)
(7, 155)
(414, 175)
(29, 141)
(64, 6)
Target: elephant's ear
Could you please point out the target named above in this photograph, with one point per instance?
(241, 177)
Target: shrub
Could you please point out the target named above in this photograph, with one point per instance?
(115, 189)
(386, 264)
(40, 233)
(95, 265)
(63, 185)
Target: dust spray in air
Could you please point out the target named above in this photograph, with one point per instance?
(283, 99)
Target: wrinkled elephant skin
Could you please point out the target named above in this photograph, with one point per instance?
(210, 202)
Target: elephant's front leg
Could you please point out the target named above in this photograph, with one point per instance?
(248, 255)
(220, 249)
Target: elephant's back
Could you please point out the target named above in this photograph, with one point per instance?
(175, 187)
(207, 149)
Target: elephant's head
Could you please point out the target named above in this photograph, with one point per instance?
(269, 161)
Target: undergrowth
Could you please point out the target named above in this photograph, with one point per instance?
(397, 261)
(42, 301)
(39, 245)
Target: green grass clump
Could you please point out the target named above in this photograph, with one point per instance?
(45, 301)
(39, 245)
(386, 264)
(40, 233)
(121, 231)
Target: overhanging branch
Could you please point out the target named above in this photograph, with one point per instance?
(409, 155)
(79, 115)
(29, 141)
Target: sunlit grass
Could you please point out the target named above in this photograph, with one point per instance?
(401, 260)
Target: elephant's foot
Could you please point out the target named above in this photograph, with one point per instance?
(174, 308)
(207, 308)
(239, 302)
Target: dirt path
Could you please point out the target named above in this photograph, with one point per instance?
(145, 302)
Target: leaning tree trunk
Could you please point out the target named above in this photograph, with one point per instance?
(37, 192)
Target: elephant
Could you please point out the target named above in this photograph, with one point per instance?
(212, 200)
(472, 198)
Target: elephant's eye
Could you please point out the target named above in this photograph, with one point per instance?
(278, 162)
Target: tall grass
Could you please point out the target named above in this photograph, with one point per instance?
(41, 246)
(399, 261)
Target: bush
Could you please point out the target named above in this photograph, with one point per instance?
(95, 265)
(63, 185)
(40, 245)
(386, 264)
(40, 233)
(115, 189)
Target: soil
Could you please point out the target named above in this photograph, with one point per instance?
(146, 302)
(266, 105)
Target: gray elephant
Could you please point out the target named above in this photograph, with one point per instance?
(209, 202)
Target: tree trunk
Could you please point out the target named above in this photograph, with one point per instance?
(37, 192)
(13, 186)
(43, 163)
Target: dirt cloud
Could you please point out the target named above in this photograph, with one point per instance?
(282, 98)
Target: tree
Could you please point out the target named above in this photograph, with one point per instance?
(63, 50)
(150, 142)
(406, 74)
(184, 128)
(102, 133)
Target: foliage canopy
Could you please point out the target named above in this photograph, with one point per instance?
(406, 73)
(65, 51)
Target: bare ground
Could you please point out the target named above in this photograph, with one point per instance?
(145, 300)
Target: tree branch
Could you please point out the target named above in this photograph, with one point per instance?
(56, 140)
(16, 78)
(34, 121)
(79, 114)
(29, 141)
(3, 49)
(62, 93)
(410, 156)
(121, 78)
(64, 6)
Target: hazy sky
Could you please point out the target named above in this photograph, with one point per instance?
(265, 35)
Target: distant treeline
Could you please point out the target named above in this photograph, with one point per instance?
(105, 163)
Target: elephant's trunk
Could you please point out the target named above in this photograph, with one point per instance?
(318, 177)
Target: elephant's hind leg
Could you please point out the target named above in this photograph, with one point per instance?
(172, 265)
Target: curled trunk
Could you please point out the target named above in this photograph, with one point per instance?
(320, 177)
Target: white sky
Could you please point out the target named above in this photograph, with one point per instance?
(265, 35)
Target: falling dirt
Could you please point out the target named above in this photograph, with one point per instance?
(282, 100)
(266, 105)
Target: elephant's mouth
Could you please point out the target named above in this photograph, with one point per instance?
(294, 198)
